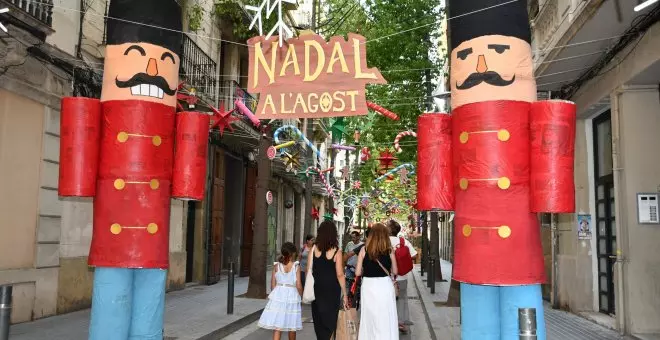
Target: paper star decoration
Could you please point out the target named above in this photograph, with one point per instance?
(291, 161)
(222, 120)
(315, 213)
(2, 27)
(386, 158)
(403, 175)
(344, 173)
(357, 185)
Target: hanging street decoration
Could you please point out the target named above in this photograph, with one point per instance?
(271, 152)
(2, 27)
(357, 185)
(342, 147)
(313, 170)
(270, 6)
(338, 129)
(345, 173)
(356, 137)
(291, 161)
(403, 176)
(240, 107)
(365, 154)
(386, 159)
(297, 134)
(396, 170)
(383, 111)
(269, 197)
(315, 213)
(222, 120)
(309, 77)
(398, 138)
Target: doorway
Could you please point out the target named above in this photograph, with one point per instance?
(605, 212)
(248, 220)
(217, 223)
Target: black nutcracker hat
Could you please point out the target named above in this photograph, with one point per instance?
(469, 19)
(153, 15)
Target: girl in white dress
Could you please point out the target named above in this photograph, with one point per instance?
(283, 312)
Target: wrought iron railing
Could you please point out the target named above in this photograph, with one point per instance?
(198, 69)
(41, 10)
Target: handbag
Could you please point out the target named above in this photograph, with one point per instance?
(308, 290)
(347, 325)
(396, 284)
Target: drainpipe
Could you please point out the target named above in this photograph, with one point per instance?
(555, 260)
(621, 237)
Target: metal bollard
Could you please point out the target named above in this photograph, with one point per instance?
(230, 289)
(5, 311)
(431, 276)
(527, 323)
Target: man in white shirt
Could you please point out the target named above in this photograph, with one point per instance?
(402, 301)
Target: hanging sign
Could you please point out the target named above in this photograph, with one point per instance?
(310, 78)
(269, 198)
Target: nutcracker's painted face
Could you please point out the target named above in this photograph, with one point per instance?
(140, 71)
(493, 67)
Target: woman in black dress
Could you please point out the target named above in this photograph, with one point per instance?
(329, 281)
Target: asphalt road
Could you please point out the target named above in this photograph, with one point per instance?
(418, 331)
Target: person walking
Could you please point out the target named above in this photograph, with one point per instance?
(327, 266)
(377, 266)
(304, 253)
(283, 312)
(402, 307)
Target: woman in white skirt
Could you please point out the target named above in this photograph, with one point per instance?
(377, 266)
(283, 312)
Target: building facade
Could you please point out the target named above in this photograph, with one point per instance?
(603, 55)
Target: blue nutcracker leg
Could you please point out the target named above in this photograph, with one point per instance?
(480, 312)
(148, 304)
(512, 298)
(112, 300)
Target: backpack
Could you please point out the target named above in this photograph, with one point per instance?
(404, 261)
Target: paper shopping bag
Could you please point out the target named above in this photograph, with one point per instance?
(347, 325)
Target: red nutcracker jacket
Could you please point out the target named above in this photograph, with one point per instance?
(136, 169)
(505, 158)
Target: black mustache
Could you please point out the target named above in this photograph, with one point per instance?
(490, 77)
(143, 78)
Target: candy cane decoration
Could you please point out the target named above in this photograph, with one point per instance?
(395, 170)
(398, 138)
(276, 136)
(246, 112)
(383, 111)
(342, 147)
(323, 180)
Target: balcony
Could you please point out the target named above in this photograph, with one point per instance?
(198, 69)
(34, 16)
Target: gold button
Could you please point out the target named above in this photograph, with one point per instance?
(504, 231)
(115, 228)
(503, 135)
(467, 230)
(154, 184)
(122, 137)
(152, 228)
(156, 140)
(463, 183)
(120, 184)
(503, 183)
(464, 137)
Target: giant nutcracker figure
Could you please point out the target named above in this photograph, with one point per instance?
(132, 153)
(500, 158)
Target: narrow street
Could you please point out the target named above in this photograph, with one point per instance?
(418, 331)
